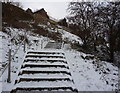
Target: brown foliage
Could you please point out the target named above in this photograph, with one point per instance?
(12, 13)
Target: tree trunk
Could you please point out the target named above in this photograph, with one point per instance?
(84, 44)
(95, 47)
(111, 41)
(111, 54)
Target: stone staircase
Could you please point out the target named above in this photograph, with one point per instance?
(44, 70)
(54, 45)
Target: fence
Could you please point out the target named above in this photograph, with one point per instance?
(11, 57)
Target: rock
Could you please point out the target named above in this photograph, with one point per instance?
(108, 69)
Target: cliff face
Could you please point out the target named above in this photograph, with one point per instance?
(41, 12)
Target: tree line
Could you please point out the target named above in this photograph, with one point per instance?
(98, 25)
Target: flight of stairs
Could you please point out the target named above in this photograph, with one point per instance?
(54, 45)
(45, 70)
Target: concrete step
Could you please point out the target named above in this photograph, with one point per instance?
(45, 60)
(44, 56)
(36, 90)
(32, 52)
(44, 75)
(46, 72)
(43, 66)
(38, 79)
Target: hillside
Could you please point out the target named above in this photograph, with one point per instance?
(37, 22)
(89, 73)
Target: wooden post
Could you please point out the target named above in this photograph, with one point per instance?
(9, 68)
(24, 40)
(24, 46)
(41, 44)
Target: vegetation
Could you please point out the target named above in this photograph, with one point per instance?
(98, 25)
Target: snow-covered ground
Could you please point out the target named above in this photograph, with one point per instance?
(88, 74)
(34, 43)
(88, 77)
(66, 36)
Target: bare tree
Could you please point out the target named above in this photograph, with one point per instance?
(82, 14)
(97, 23)
(109, 16)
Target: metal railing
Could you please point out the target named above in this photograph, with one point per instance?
(11, 57)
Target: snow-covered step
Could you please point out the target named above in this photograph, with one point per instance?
(44, 72)
(39, 79)
(44, 65)
(35, 84)
(36, 77)
(45, 60)
(37, 89)
(45, 57)
(31, 54)
(41, 55)
(43, 78)
(46, 52)
(54, 45)
(44, 69)
(55, 75)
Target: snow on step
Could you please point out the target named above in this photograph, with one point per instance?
(32, 54)
(45, 59)
(44, 70)
(46, 55)
(46, 75)
(50, 78)
(44, 84)
(46, 51)
(44, 63)
(46, 89)
(36, 77)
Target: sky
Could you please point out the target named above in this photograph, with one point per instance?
(55, 8)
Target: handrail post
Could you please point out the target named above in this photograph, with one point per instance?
(24, 45)
(9, 68)
(24, 40)
(41, 44)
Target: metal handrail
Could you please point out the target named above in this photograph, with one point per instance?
(18, 48)
(12, 55)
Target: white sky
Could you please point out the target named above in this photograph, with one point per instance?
(55, 8)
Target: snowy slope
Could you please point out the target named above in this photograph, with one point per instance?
(66, 36)
(88, 77)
